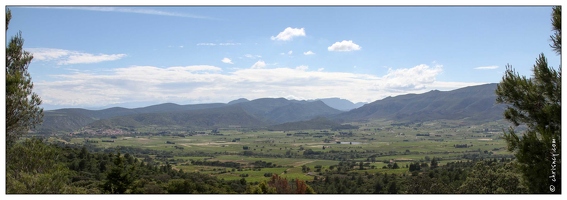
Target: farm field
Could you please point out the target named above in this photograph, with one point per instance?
(306, 154)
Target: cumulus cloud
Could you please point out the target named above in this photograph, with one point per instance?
(205, 84)
(66, 57)
(130, 84)
(302, 67)
(344, 46)
(289, 33)
(289, 52)
(227, 61)
(258, 65)
(487, 67)
(407, 79)
(308, 53)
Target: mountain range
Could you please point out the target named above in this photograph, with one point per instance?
(341, 104)
(475, 103)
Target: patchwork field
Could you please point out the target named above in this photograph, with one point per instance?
(303, 154)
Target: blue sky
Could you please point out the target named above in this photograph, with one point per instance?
(95, 57)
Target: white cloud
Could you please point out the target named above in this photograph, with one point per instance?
(66, 57)
(302, 67)
(259, 65)
(292, 97)
(83, 58)
(229, 44)
(145, 11)
(289, 52)
(487, 67)
(227, 61)
(344, 46)
(205, 84)
(289, 33)
(407, 79)
(45, 54)
(195, 68)
(252, 56)
(308, 53)
(220, 44)
(206, 44)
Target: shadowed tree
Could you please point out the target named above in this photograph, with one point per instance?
(536, 103)
(118, 179)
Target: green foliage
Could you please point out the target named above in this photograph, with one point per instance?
(55, 181)
(119, 178)
(262, 188)
(395, 166)
(536, 103)
(180, 186)
(32, 168)
(492, 178)
(556, 23)
(315, 123)
(22, 105)
(280, 185)
(445, 179)
(434, 163)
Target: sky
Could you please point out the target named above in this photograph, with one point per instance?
(100, 57)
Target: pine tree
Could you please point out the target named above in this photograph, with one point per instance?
(22, 105)
(536, 103)
(118, 179)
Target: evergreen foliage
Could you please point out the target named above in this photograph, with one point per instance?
(22, 104)
(536, 103)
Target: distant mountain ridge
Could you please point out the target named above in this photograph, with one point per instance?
(473, 103)
(255, 113)
(340, 104)
(216, 117)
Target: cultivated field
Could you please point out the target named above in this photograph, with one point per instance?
(376, 144)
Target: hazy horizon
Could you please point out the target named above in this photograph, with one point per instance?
(130, 105)
(144, 104)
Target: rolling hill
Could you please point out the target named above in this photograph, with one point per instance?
(477, 103)
(201, 118)
(474, 103)
(255, 113)
(280, 110)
